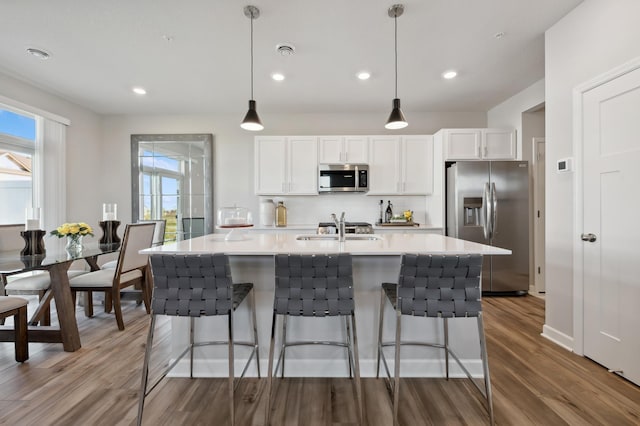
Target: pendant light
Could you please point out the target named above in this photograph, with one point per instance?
(396, 118)
(251, 120)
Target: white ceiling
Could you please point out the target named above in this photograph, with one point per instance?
(101, 49)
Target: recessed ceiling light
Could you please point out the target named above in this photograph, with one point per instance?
(38, 53)
(364, 75)
(139, 91)
(449, 74)
(499, 34)
(277, 76)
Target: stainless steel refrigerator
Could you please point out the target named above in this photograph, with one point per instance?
(488, 202)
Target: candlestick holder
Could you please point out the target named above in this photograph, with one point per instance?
(33, 242)
(109, 232)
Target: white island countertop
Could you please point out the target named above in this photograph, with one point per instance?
(256, 243)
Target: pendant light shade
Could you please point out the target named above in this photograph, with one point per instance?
(252, 120)
(396, 118)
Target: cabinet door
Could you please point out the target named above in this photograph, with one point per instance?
(417, 165)
(330, 150)
(462, 144)
(498, 144)
(384, 165)
(303, 165)
(356, 149)
(270, 165)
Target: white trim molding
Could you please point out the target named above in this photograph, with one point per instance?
(557, 337)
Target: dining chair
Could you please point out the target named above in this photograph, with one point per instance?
(193, 227)
(444, 287)
(17, 307)
(27, 283)
(319, 285)
(131, 269)
(158, 239)
(194, 286)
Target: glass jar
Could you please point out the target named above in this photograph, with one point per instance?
(281, 214)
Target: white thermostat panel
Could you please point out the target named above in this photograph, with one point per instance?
(565, 165)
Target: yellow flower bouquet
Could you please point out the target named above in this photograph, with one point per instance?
(71, 229)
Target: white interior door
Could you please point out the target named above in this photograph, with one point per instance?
(539, 213)
(611, 134)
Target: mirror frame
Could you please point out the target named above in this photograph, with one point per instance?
(205, 138)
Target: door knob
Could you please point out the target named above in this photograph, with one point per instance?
(588, 237)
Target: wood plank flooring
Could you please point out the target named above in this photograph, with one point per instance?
(534, 383)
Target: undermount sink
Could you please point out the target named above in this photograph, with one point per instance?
(334, 237)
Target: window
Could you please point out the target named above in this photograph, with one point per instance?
(17, 155)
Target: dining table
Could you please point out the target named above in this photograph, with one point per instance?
(56, 261)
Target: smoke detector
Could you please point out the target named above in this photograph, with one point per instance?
(285, 49)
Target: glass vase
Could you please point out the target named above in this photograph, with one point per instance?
(74, 244)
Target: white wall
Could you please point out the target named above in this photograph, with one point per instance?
(84, 198)
(595, 37)
(509, 113)
(233, 156)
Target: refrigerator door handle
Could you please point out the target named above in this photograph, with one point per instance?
(494, 209)
(486, 210)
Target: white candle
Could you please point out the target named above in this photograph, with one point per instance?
(32, 225)
(109, 211)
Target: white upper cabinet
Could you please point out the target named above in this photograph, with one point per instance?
(286, 165)
(343, 149)
(479, 144)
(401, 165)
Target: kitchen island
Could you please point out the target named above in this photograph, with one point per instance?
(376, 259)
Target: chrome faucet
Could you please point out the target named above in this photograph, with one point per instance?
(340, 226)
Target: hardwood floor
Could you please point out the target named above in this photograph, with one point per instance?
(534, 383)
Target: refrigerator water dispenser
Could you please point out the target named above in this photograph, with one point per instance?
(472, 206)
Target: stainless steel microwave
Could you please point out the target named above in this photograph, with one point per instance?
(343, 178)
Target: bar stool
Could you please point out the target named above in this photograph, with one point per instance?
(194, 286)
(314, 286)
(446, 287)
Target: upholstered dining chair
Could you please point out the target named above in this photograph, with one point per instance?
(17, 307)
(443, 287)
(193, 286)
(26, 283)
(158, 239)
(131, 269)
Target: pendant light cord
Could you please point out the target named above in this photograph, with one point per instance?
(395, 22)
(252, 56)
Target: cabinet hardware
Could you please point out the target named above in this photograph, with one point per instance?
(588, 237)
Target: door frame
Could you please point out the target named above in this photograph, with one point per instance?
(539, 280)
(578, 201)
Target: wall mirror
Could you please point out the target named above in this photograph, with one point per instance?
(172, 180)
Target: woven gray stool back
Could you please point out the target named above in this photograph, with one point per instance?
(191, 285)
(440, 286)
(314, 285)
(434, 286)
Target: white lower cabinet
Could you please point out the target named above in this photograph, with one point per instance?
(401, 165)
(286, 165)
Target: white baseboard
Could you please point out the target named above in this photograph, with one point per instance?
(328, 368)
(557, 337)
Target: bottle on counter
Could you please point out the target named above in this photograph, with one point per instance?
(381, 212)
(388, 214)
(281, 214)
(267, 212)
